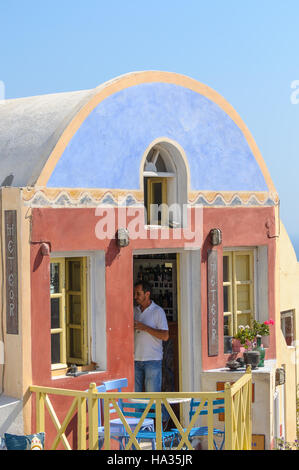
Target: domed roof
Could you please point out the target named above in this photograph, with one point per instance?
(97, 138)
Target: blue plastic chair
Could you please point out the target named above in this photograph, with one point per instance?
(101, 430)
(146, 433)
(117, 431)
(204, 430)
(116, 384)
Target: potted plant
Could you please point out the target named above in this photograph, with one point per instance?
(236, 345)
(247, 336)
(263, 329)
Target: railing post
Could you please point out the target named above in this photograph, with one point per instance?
(106, 424)
(228, 406)
(93, 417)
(210, 424)
(40, 412)
(81, 423)
(249, 409)
(158, 424)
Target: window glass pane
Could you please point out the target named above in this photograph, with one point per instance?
(75, 276)
(75, 343)
(287, 327)
(226, 269)
(75, 309)
(243, 319)
(155, 203)
(157, 193)
(226, 307)
(242, 268)
(55, 313)
(227, 325)
(55, 348)
(243, 297)
(160, 165)
(54, 278)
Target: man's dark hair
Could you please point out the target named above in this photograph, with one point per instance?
(146, 287)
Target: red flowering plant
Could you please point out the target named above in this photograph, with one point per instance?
(262, 329)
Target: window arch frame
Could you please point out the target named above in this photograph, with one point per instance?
(177, 179)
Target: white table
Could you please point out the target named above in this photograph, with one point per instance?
(117, 428)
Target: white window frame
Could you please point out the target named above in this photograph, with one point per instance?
(96, 303)
(253, 249)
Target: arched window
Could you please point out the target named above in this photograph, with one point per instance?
(165, 185)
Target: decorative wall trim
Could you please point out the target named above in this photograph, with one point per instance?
(57, 198)
(232, 199)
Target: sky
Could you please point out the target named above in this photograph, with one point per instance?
(248, 51)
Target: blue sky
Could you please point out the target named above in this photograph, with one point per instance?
(247, 51)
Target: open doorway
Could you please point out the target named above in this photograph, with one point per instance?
(161, 271)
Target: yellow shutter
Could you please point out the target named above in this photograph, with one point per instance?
(238, 289)
(76, 310)
(243, 262)
(156, 194)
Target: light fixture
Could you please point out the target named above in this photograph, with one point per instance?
(216, 236)
(123, 238)
(45, 249)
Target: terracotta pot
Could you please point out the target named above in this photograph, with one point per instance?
(251, 358)
(236, 345)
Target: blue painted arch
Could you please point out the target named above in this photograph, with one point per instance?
(107, 149)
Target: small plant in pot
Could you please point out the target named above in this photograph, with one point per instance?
(247, 336)
(263, 330)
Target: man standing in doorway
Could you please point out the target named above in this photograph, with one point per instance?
(151, 328)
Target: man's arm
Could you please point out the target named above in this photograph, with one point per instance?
(160, 334)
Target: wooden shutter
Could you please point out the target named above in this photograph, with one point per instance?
(76, 310)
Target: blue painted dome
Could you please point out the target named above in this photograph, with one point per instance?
(107, 149)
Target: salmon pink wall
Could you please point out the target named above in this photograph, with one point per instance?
(241, 227)
(74, 230)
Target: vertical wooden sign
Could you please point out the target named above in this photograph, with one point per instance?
(212, 303)
(11, 261)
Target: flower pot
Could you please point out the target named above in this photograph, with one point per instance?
(251, 358)
(236, 345)
(266, 341)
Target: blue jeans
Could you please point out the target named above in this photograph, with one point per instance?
(149, 375)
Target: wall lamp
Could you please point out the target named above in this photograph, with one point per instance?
(45, 249)
(216, 236)
(122, 237)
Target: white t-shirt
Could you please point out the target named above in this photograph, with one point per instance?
(147, 347)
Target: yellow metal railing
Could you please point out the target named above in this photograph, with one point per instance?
(238, 414)
(237, 405)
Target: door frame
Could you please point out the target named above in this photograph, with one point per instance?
(189, 302)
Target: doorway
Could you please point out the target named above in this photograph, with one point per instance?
(161, 271)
